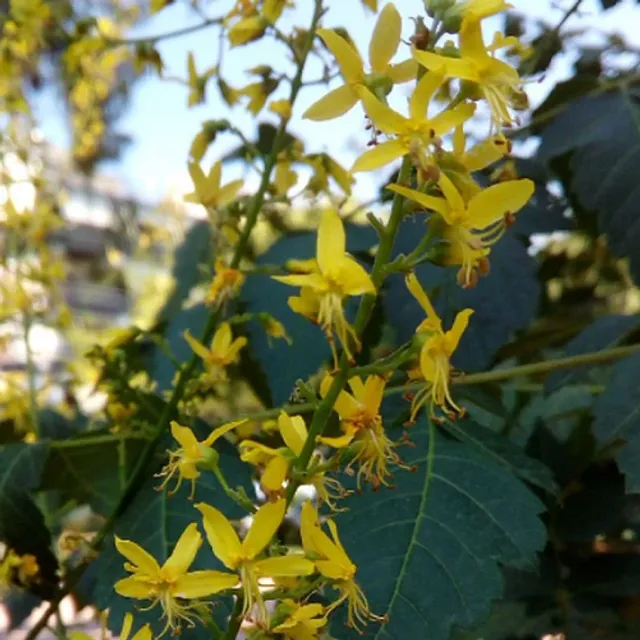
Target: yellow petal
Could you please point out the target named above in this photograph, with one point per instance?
(184, 553)
(459, 141)
(423, 93)
(347, 57)
(234, 348)
(454, 199)
(222, 339)
(380, 155)
(200, 584)
(358, 388)
(308, 522)
(416, 290)
(183, 435)
(284, 567)
(132, 587)
(329, 549)
(228, 192)
(332, 105)
(275, 473)
(353, 278)
(213, 180)
(471, 43)
(137, 556)
(492, 203)
(222, 430)
(126, 626)
(373, 390)
(484, 153)
(384, 117)
(265, 523)
(346, 405)
(293, 431)
(256, 453)
(312, 280)
(428, 366)
(385, 39)
(459, 327)
(451, 118)
(340, 442)
(431, 203)
(331, 243)
(222, 537)
(403, 71)
(142, 634)
(448, 67)
(196, 346)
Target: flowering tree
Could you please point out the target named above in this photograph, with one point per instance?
(372, 425)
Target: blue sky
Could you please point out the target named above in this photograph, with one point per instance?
(163, 127)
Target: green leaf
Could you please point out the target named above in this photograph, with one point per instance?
(92, 473)
(429, 551)
(617, 418)
(22, 525)
(155, 521)
(603, 134)
(194, 252)
(604, 333)
(512, 278)
(282, 363)
(503, 452)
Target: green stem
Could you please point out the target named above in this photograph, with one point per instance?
(107, 438)
(205, 24)
(235, 621)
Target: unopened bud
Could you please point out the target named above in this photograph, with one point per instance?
(452, 20)
(420, 38)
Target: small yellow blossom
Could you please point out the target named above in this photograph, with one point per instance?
(415, 134)
(18, 569)
(435, 355)
(337, 276)
(226, 283)
(224, 351)
(253, 23)
(383, 46)
(281, 108)
(333, 563)
(275, 329)
(472, 228)
(208, 191)
(362, 427)
(243, 557)
(301, 622)
(192, 454)
(171, 585)
(497, 81)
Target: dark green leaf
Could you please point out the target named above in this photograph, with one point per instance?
(22, 525)
(512, 278)
(282, 363)
(429, 551)
(155, 521)
(607, 4)
(19, 604)
(617, 417)
(604, 333)
(603, 132)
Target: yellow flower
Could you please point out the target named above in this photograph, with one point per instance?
(333, 563)
(362, 426)
(242, 557)
(253, 24)
(498, 82)
(337, 277)
(226, 283)
(414, 134)
(302, 621)
(208, 191)
(439, 346)
(223, 352)
(472, 228)
(171, 584)
(16, 569)
(383, 46)
(275, 329)
(192, 454)
(281, 107)
(143, 633)
(476, 10)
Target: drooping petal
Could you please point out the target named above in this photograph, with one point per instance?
(353, 278)
(137, 556)
(448, 67)
(184, 552)
(133, 588)
(290, 566)
(451, 118)
(183, 435)
(459, 327)
(455, 200)
(385, 39)
(347, 57)
(228, 192)
(331, 243)
(332, 105)
(222, 430)
(428, 365)
(199, 584)
(403, 71)
(431, 203)
(380, 155)
(293, 431)
(423, 93)
(275, 473)
(256, 453)
(222, 537)
(265, 523)
(222, 338)
(384, 117)
(373, 389)
(196, 346)
(492, 203)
